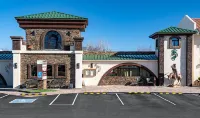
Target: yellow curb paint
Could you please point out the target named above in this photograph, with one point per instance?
(98, 93)
(91, 93)
(85, 93)
(141, 92)
(103, 93)
(30, 94)
(167, 93)
(173, 93)
(148, 92)
(22, 94)
(135, 92)
(180, 93)
(161, 93)
(129, 92)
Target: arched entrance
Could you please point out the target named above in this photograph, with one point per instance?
(2, 81)
(123, 73)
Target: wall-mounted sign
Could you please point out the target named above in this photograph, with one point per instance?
(174, 54)
(42, 69)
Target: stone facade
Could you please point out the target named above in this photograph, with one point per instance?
(36, 39)
(53, 59)
(161, 60)
(189, 60)
(117, 80)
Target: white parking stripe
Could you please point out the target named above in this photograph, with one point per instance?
(54, 99)
(75, 99)
(196, 95)
(4, 96)
(119, 99)
(164, 99)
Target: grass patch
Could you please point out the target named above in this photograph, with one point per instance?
(40, 90)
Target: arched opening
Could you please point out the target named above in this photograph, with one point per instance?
(52, 40)
(2, 81)
(128, 73)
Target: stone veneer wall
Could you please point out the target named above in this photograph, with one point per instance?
(189, 60)
(68, 59)
(161, 61)
(116, 80)
(37, 40)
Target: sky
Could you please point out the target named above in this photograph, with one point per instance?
(125, 25)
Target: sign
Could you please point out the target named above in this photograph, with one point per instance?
(22, 101)
(42, 69)
(39, 74)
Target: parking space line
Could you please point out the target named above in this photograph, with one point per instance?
(119, 99)
(164, 99)
(4, 96)
(75, 99)
(54, 99)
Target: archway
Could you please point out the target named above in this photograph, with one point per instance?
(2, 81)
(126, 72)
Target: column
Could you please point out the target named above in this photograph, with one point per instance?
(78, 69)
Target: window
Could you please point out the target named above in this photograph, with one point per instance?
(174, 42)
(156, 43)
(61, 70)
(89, 72)
(52, 40)
(33, 70)
(126, 71)
(49, 70)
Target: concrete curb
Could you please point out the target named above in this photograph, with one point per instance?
(33, 94)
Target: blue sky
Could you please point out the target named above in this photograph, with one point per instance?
(124, 24)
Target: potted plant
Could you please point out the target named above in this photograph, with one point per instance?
(197, 82)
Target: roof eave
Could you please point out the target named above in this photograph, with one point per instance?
(181, 33)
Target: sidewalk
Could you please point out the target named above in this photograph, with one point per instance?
(119, 88)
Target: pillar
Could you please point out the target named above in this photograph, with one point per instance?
(16, 47)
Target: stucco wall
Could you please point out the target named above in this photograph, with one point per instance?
(180, 61)
(106, 65)
(196, 63)
(6, 70)
(187, 23)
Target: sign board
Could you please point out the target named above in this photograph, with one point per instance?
(42, 69)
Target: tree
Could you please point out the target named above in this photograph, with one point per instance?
(144, 48)
(100, 46)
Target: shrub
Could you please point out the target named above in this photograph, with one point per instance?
(199, 78)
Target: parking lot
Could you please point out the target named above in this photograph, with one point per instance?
(98, 105)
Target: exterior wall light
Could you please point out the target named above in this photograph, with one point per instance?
(68, 33)
(78, 65)
(15, 65)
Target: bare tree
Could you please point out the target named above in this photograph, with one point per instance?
(4, 49)
(100, 46)
(144, 48)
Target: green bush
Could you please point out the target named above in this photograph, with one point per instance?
(199, 78)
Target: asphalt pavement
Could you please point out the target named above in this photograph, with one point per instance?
(113, 105)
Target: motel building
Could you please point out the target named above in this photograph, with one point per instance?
(56, 38)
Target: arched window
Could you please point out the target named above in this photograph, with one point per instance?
(52, 40)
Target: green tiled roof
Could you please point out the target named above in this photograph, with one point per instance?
(174, 30)
(121, 56)
(51, 15)
(6, 55)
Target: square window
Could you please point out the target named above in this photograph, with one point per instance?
(61, 70)
(33, 70)
(174, 43)
(49, 70)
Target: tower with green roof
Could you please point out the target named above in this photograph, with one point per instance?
(54, 37)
